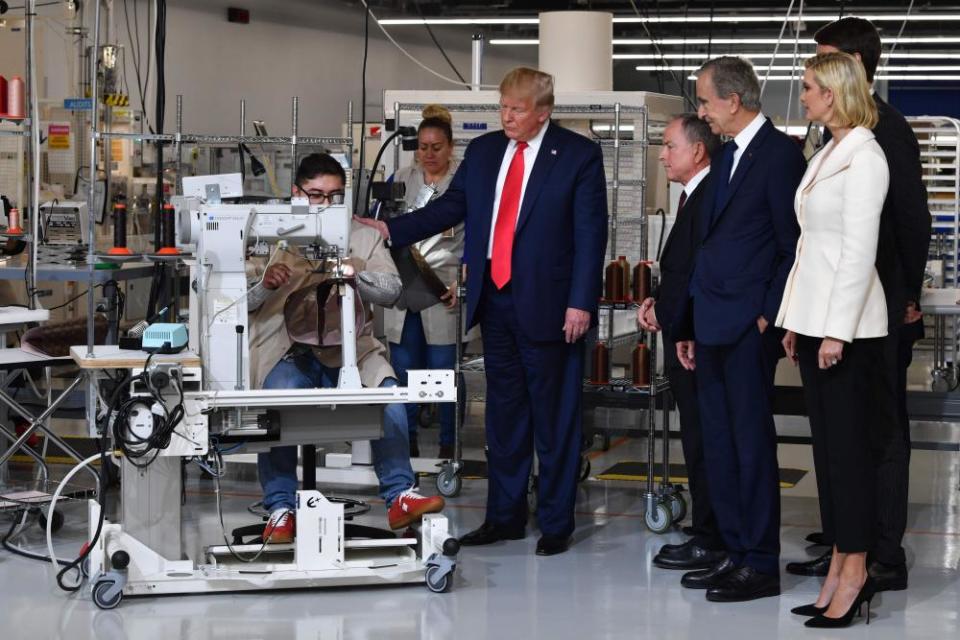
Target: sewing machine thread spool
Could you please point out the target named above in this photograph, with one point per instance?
(642, 281)
(641, 365)
(13, 222)
(613, 289)
(15, 96)
(600, 369)
(168, 227)
(120, 231)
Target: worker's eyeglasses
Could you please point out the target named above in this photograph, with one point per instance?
(323, 197)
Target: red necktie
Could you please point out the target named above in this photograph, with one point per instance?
(683, 200)
(506, 224)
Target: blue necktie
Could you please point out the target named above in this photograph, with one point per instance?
(722, 180)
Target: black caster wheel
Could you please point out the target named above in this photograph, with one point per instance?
(584, 468)
(57, 521)
(449, 482)
(99, 594)
(438, 583)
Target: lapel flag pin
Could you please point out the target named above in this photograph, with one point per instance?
(553, 152)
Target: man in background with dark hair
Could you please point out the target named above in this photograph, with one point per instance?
(688, 146)
(901, 259)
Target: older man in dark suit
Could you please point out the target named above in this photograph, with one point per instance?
(747, 244)
(688, 145)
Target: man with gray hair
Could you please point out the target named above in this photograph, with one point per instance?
(688, 145)
(747, 241)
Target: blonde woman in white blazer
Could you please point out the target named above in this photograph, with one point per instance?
(835, 314)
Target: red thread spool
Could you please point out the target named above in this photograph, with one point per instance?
(642, 281)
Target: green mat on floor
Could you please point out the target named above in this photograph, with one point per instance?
(637, 472)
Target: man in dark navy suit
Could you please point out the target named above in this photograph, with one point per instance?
(688, 145)
(534, 200)
(748, 237)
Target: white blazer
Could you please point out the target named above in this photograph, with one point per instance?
(833, 289)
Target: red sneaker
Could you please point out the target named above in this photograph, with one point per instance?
(409, 506)
(281, 527)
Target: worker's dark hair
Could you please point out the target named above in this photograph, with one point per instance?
(437, 123)
(319, 164)
(853, 35)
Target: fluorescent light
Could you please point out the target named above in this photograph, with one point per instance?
(723, 41)
(776, 19)
(768, 56)
(951, 78)
(800, 67)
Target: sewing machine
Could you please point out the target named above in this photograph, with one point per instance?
(208, 387)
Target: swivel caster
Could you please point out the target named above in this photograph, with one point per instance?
(439, 580)
(107, 593)
(57, 523)
(659, 519)
(678, 506)
(584, 468)
(449, 482)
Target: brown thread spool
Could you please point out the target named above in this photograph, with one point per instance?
(642, 278)
(613, 289)
(625, 266)
(600, 370)
(641, 365)
(13, 221)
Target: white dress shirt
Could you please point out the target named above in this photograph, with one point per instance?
(695, 181)
(529, 157)
(744, 138)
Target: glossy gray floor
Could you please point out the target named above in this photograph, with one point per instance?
(604, 587)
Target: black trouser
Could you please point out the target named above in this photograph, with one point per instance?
(845, 438)
(893, 469)
(683, 387)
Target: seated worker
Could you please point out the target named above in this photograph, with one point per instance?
(278, 362)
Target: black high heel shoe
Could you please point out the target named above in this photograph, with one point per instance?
(809, 610)
(864, 597)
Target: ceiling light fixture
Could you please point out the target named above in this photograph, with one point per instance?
(725, 41)
(776, 19)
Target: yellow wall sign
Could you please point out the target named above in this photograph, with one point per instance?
(58, 136)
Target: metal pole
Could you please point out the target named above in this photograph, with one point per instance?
(615, 190)
(476, 66)
(396, 142)
(91, 219)
(293, 140)
(243, 118)
(178, 183)
(33, 181)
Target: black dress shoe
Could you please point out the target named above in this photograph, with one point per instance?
(888, 577)
(708, 578)
(549, 545)
(688, 556)
(488, 533)
(816, 538)
(816, 567)
(743, 585)
(673, 549)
